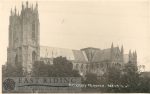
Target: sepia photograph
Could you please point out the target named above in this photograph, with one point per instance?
(75, 46)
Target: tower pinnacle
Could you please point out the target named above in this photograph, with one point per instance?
(27, 4)
(15, 10)
(22, 6)
(11, 11)
(112, 46)
(122, 50)
(36, 5)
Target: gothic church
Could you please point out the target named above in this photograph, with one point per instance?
(24, 47)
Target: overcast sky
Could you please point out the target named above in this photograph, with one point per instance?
(77, 24)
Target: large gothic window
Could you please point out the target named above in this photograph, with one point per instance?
(33, 56)
(33, 30)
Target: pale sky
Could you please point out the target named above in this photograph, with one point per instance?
(77, 24)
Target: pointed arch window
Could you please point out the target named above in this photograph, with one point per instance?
(33, 30)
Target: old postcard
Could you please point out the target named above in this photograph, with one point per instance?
(75, 46)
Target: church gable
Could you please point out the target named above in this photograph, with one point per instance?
(79, 56)
(103, 55)
(97, 57)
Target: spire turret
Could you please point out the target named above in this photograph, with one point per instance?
(122, 50)
(22, 6)
(11, 13)
(112, 53)
(130, 56)
(135, 53)
(36, 8)
(27, 4)
(112, 46)
(129, 52)
(36, 5)
(15, 10)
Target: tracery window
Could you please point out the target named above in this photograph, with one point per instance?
(33, 30)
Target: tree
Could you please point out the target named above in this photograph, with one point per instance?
(112, 76)
(61, 68)
(144, 85)
(40, 69)
(130, 77)
(91, 78)
(13, 70)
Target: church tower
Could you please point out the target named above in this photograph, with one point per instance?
(23, 47)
